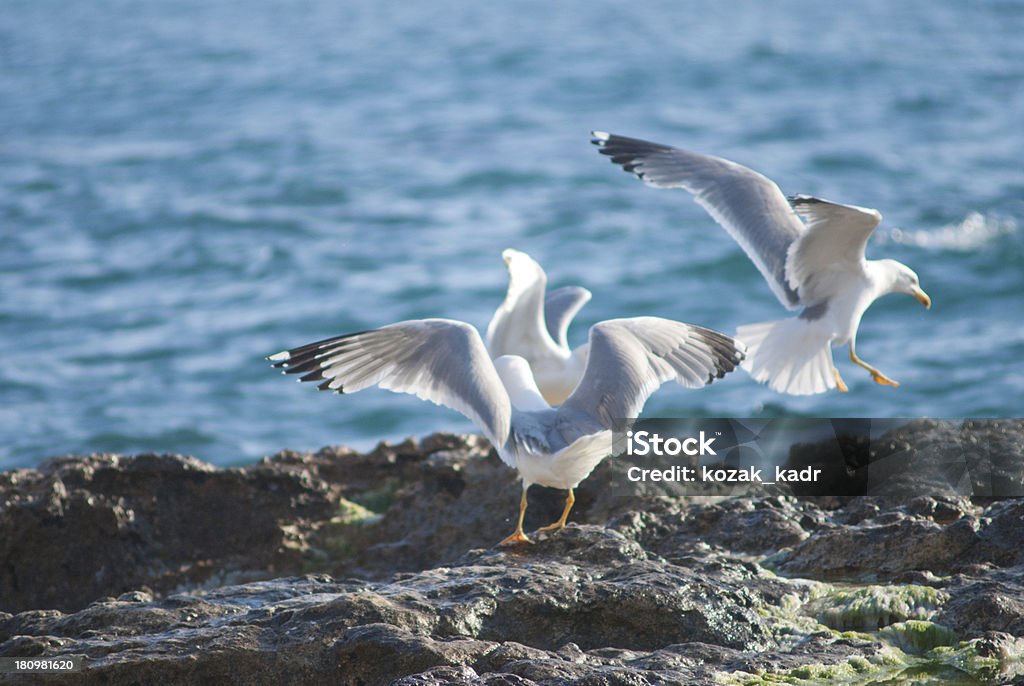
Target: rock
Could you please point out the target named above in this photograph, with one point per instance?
(749, 525)
(339, 567)
(109, 524)
(976, 457)
(878, 538)
(978, 607)
(881, 548)
(106, 525)
(499, 609)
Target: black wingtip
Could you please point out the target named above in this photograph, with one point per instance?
(728, 352)
(314, 375)
(801, 199)
(601, 139)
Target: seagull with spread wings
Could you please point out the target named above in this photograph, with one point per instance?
(445, 361)
(534, 324)
(811, 252)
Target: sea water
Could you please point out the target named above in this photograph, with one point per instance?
(187, 187)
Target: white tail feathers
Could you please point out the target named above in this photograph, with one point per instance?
(565, 468)
(792, 355)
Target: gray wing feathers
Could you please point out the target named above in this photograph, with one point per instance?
(748, 205)
(835, 238)
(560, 307)
(518, 323)
(818, 212)
(631, 358)
(439, 360)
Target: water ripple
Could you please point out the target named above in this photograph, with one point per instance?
(187, 187)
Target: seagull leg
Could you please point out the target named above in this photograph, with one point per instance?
(878, 376)
(569, 500)
(518, 536)
(840, 386)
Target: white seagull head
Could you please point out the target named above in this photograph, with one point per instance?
(904, 280)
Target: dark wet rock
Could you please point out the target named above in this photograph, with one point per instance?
(533, 611)
(891, 543)
(461, 676)
(1001, 534)
(888, 539)
(975, 457)
(105, 525)
(108, 524)
(749, 525)
(348, 568)
(991, 604)
(979, 458)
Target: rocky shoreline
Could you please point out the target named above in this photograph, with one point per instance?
(347, 568)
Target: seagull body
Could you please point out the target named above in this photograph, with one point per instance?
(534, 325)
(809, 250)
(445, 361)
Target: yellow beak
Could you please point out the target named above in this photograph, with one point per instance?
(922, 297)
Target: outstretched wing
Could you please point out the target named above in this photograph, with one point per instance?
(440, 360)
(835, 239)
(632, 358)
(517, 327)
(560, 307)
(748, 205)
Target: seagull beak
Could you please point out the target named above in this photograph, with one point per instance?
(922, 297)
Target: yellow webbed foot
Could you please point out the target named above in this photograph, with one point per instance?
(552, 527)
(517, 537)
(878, 376)
(884, 380)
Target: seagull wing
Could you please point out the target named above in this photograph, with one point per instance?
(833, 243)
(439, 360)
(748, 205)
(631, 358)
(560, 307)
(517, 327)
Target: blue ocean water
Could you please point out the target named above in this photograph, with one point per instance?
(187, 187)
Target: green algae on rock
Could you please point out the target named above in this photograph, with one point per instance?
(917, 636)
(869, 608)
(972, 663)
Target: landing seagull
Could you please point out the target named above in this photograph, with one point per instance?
(535, 326)
(817, 264)
(445, 361)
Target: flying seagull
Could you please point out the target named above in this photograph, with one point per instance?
(445, 361)
(816, 265)
(535, 326)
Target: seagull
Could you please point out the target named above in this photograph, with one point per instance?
(535, 327)
(816, 265)
(445, 361)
